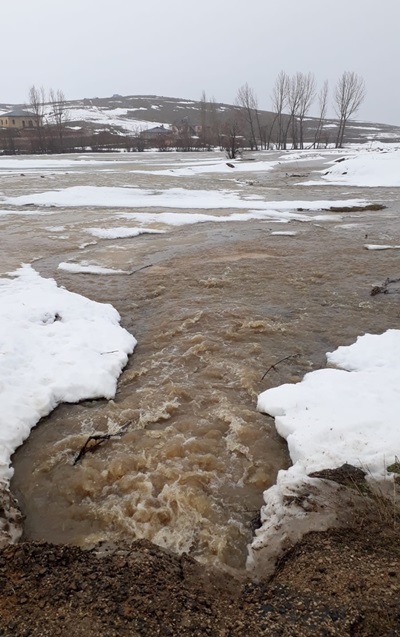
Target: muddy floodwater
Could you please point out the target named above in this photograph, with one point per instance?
(213, 306)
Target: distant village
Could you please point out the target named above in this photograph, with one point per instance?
(51, 124)
(23, 131)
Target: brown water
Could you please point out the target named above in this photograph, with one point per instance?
(219, 304)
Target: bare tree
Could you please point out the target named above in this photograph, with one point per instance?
(267, 130)
(264, 128)
(300, 95)
(9, 141)
(37, 99)
(294, 97)
(323, 106)
(279, 98)
(260, 129)
(208, 122)
(203, 136)
(307, 95)
(350, 92)
(58, 113)
(232, 136)
(247, 100)
(215, 123)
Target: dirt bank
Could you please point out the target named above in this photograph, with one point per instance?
(343, 583)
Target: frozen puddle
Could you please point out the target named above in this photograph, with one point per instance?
(51, 351)
(334, 417)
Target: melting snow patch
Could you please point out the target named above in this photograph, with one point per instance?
(121, 233)
(179, 198)
(372, 246)
(86, 244)
(52, 346)
(368, 169)
(215, 167)
(86, 268)
(284, 233)
(334, 417)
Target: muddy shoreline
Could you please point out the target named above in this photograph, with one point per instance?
(344, 582)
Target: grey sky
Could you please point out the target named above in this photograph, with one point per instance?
(178, 48)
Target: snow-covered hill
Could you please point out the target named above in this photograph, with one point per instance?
(128, 115)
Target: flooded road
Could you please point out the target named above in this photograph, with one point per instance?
(213, 306)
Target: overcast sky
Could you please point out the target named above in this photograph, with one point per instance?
(177, 48)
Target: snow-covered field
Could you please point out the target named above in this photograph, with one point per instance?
(61, 347)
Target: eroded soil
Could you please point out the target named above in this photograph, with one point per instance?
(343, 583)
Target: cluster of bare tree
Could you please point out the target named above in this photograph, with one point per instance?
(292, 98)
(349, 94)
(294, 95)
(287, 126)
(51, 115)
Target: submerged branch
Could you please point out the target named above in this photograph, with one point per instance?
(96, 440)
(384, 288)
(277, 363)
(140, 269)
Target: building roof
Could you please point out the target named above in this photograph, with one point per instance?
(18, 112)
(158, 130)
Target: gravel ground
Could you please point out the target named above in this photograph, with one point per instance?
(343, 583)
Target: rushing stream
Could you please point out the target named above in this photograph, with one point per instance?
(213, 306)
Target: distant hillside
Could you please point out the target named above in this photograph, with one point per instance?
(141, 110)
(128, 115)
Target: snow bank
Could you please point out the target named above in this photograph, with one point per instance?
(121, 233)
(44, 163)
(180, 198)
(368, 169)
(221, 166)
(55, 347)
(284, 233)
(87, 268)
(347, 415)
(375, 246)
(183, 219)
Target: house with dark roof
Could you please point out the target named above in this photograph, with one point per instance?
(157, 133)
(19, 118)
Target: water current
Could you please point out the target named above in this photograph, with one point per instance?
(217, 305)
